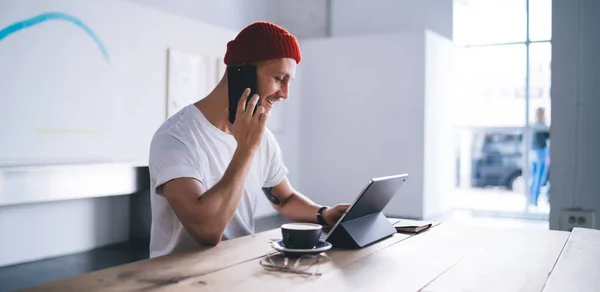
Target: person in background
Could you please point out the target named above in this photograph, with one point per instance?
(540, 155)
(208, 175)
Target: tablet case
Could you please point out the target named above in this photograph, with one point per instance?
(362, 231)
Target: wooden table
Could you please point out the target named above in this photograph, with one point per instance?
(446, 257)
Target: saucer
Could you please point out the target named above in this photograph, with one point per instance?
(319, 248)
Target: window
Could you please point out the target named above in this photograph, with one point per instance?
(478, 22)
(488, 78)
(540, 55)
(492, 71)
(503, 67)
(496, 86)
(540, 20)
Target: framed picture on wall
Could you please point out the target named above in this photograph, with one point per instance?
(187, 79)
(221, 68)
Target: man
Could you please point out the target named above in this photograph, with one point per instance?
(540, 156)
(208, 174)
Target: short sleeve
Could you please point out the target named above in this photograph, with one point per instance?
(170, 158)
(276, 167)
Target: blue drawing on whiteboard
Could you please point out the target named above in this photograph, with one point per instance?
(53, 16)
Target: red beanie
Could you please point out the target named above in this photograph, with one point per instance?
(261, 41)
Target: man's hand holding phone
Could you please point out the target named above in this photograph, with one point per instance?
(248, 128)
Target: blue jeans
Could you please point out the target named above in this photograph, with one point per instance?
(539, 173)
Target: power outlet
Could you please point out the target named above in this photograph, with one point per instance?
(570, 218)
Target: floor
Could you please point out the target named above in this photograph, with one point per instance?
(21, 276)
(34, 273)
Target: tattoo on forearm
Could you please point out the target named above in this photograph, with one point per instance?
(270, 196)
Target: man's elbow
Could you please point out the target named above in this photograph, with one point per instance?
(211, 241)
(209, 238)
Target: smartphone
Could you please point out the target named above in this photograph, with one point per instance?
(240, 77)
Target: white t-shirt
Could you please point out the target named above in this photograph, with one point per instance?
(188, 145)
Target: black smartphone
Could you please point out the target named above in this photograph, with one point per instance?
(240, 77)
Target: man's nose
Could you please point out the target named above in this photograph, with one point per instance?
(284, 92)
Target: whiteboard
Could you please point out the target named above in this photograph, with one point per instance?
(76, 88)
(57, 99)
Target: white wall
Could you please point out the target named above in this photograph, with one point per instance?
(301, 18)
(304, 19)
(137, 39)
(232, 14)
(364, 115)
(359, 17)
(575, 136)
(319, 18)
